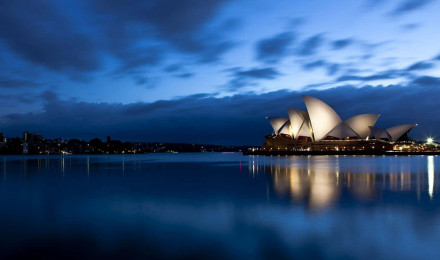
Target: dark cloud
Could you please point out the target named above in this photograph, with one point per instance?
(310, 45)
(427, 81)
(314, 64)
(332, 68)
(375, 3)
(258, 73)
(406, 73)
(341, 44)
(145, 81)
(80, 37)
(172, 19)
(272, 50)
(410, 26)
(180, 24)
(141, 80)
(136, 60)
(16, 100)
(37, 32)
(13, 83)
(370, 48)
(295, 22)
(49, 96)
(407, 6)
(211, 49)
(179, 71)
(379, 76)
(422, 65)
(186, 75)
(238, 119)
(250, 77)
(173, 68)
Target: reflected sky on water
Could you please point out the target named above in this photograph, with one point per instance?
(217, 206)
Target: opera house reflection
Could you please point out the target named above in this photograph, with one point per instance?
(246, 207)
(324, 181)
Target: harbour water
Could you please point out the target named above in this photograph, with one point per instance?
(219, 206)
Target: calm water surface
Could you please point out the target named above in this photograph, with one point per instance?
(220, 206)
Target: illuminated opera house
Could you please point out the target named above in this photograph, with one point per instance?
(320, 128)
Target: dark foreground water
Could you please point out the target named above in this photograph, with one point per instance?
(219, 206)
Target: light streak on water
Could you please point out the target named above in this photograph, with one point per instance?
(431, 176)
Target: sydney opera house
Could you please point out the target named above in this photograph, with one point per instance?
(320, 128)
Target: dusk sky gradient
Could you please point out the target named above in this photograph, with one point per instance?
(209, 71)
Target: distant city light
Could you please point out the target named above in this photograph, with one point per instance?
(429, 140)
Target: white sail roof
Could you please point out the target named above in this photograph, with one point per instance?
(392, 133)
(322, 117)
(397, 131)
(277, 123)
(299, 121)
(342, 131)
(321, 121)
(305, 130)
(379, 133)
(361, 124)
(285, 129)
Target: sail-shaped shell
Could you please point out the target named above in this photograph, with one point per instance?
(342, 131)
(321, 121)
(322, 117)
(361, 124)
(380, 133)
(277, 123)
(397, 131)
(299, 121)
(305, 130)
(286, 129)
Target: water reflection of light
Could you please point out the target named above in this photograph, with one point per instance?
(253, 166)
(323, 189)
(123, 164)
(319, 181)
(431, 176)
(393, 182)
(316, 186)
(405, 182)
(88, 166)
(297, 185)
(62, 165)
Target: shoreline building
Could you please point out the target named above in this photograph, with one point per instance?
(320, 128)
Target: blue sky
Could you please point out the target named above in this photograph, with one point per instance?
(155, 70)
